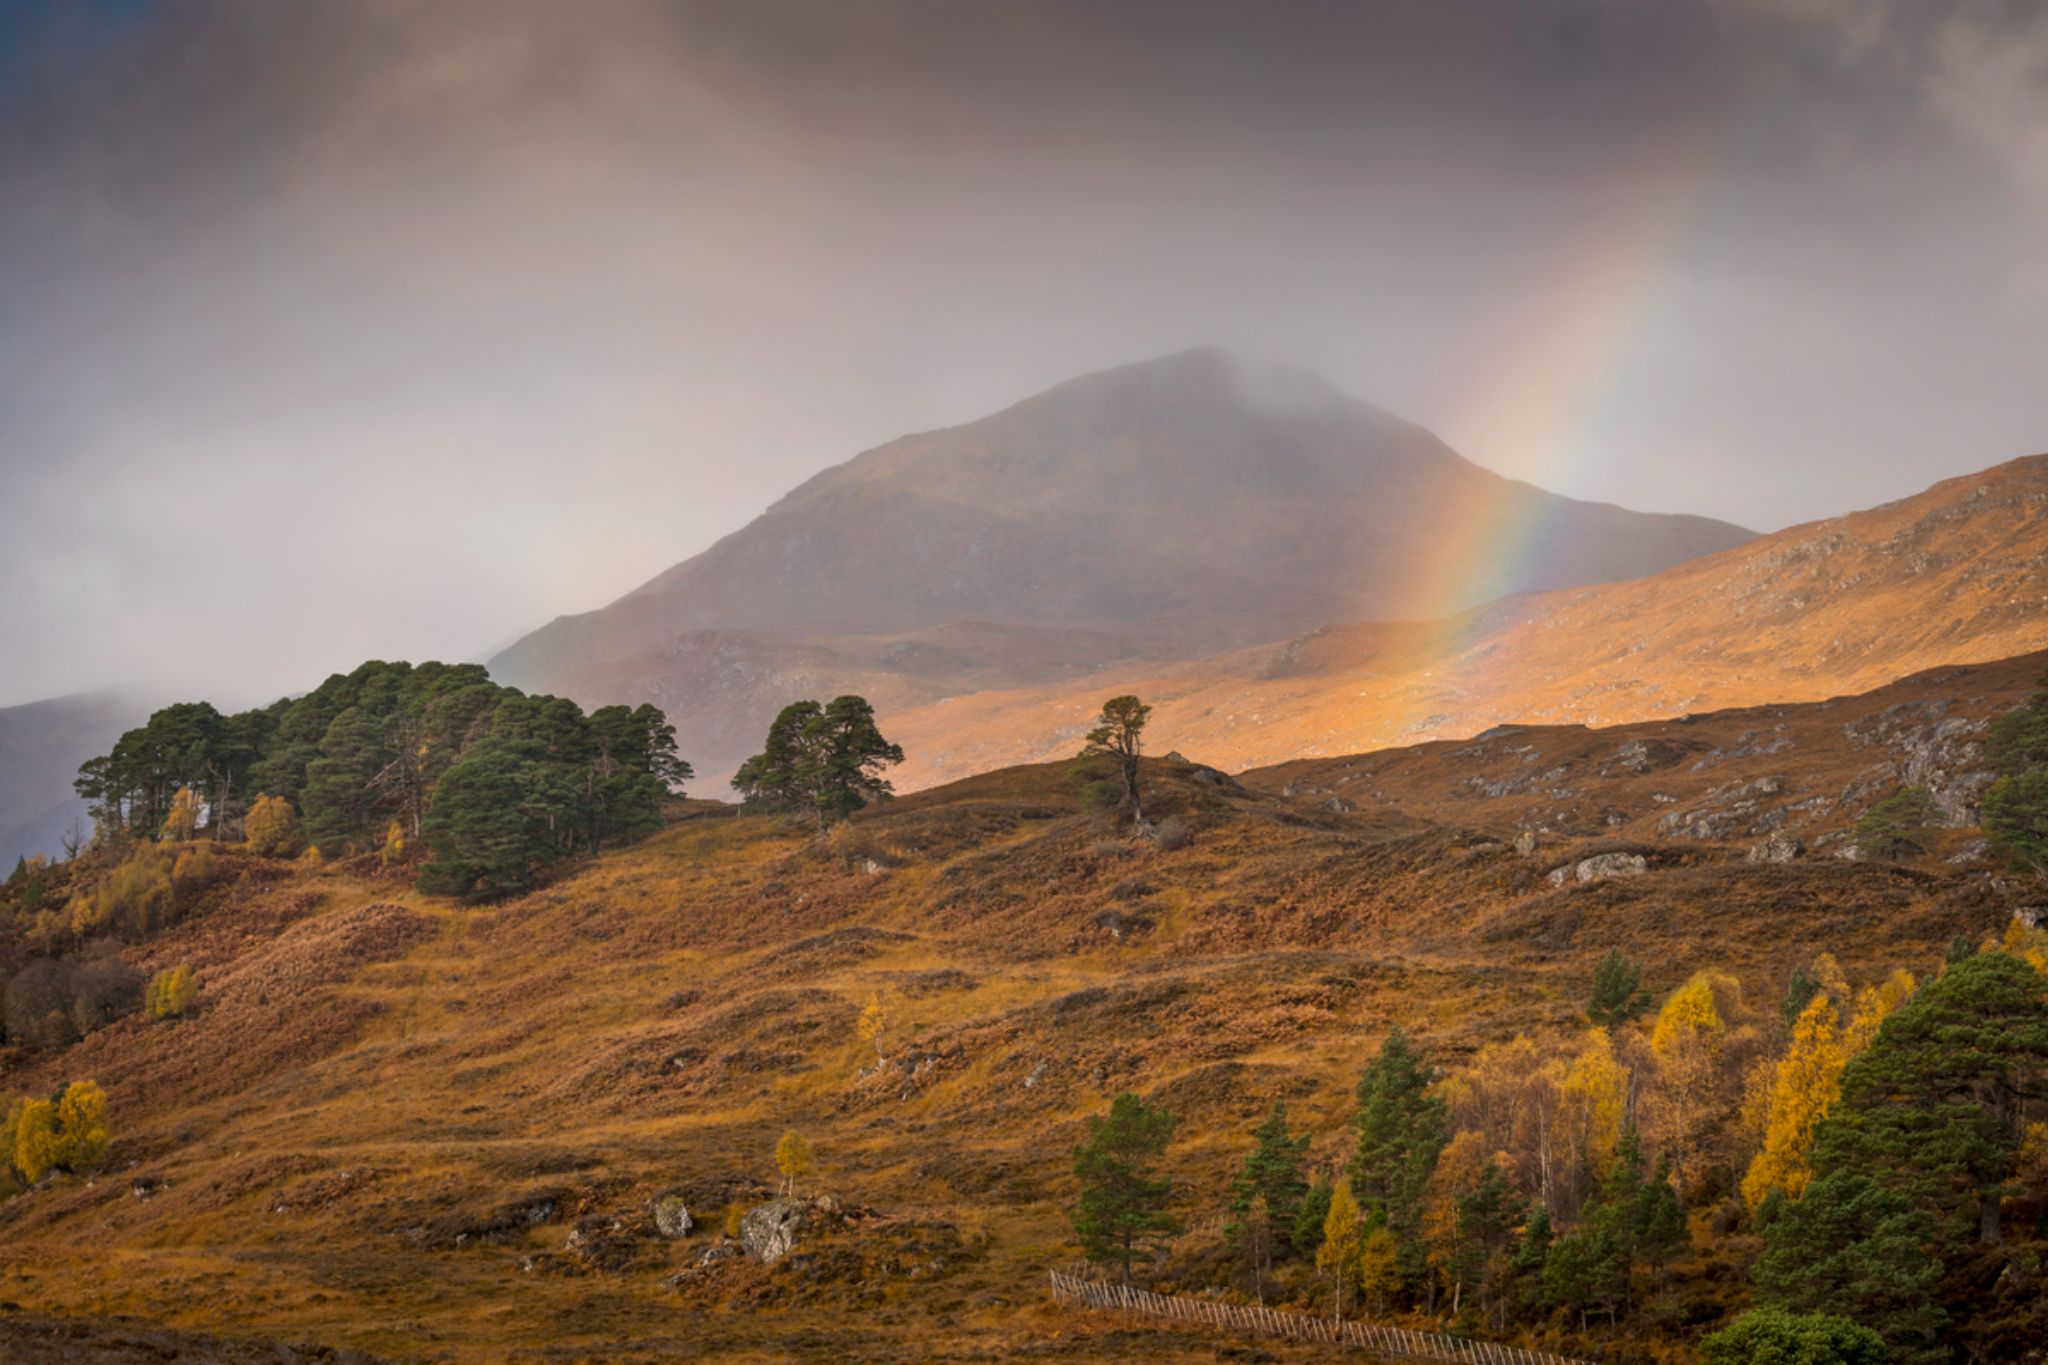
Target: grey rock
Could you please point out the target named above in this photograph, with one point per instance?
(1780, 847)
(768, 1232)
(1603, 865)
(1976, 851)
(672, 1216)
(718, 1251)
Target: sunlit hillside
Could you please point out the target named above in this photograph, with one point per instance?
(404, 1127)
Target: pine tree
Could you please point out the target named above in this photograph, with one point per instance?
(1271, 1178)
(1488, 1219)
(1123, 1208)
(777, 778)
(1898, 827)
(1401, 1131)
(1933, 1108)
(1854, 1248)
(1615, 998)
(850, 755)
(2015, 815)
(1307, 1233)
(1118, 735)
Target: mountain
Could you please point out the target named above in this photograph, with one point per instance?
(409, 1129)
(41, 745)
(1956, 574)
(1163, 510)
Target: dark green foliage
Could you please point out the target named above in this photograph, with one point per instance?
(2018, 741)
(1270, 1178)
(1307, 1233)
(1122, 1207)
(1615, 998)
(2015, 809)
(1852, 1247)
(1960, 949)
(498, 785)
(187, 745)
(1771, 1336)
(1641, 1213)
(1799, 993)
(1401, 1132)
(1912, 1164)
(825, 761)
(1096, 785)
(1118, 735)
(1531, 1255)
(1899, 827)
(1488, 1221)
(1933, 1107)
(2015, 816)
(1583, 1274)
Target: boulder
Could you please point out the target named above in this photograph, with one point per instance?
(767, 1233)
(1781, 847)
(1603, 865)
(672, 1216)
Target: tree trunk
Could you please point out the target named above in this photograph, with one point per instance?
(1988, 1231)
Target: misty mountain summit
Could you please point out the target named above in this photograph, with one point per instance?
(1176, 506)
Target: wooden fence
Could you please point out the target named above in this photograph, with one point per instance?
(1393, 1341)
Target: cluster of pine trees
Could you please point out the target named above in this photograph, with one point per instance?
(1879, 1158)
(497, 785)
(822, 761)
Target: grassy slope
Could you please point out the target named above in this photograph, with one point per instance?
(380, 1086)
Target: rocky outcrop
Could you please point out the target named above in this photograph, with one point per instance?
(1779, 847)
(672, 1216)
(1931, 748)
(1599, 867)
(768, 1232)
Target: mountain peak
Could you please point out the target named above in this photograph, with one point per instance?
(1176, 506)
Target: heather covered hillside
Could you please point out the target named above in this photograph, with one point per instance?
(394, 1124)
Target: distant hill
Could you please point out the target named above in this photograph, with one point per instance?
(1163, 510)
(41, 746)
(1957, 574)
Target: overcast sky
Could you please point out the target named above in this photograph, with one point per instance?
(336, 330)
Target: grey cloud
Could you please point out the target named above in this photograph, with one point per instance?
(338, 329)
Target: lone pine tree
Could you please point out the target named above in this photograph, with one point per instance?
(1123, 1207)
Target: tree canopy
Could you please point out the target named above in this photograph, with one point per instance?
(825, 761)
(495, 783)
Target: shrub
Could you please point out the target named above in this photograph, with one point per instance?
(1772, 1336)
(53, 1002)
(102, 990)
(66, 1132)
(38, 1005)
(1174, 834)
(1898, 827)
(271, 828)
(171, 993)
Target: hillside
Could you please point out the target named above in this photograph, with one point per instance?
(41, 746)
(1957, 574)
(424, 1132)
(1164, 510)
